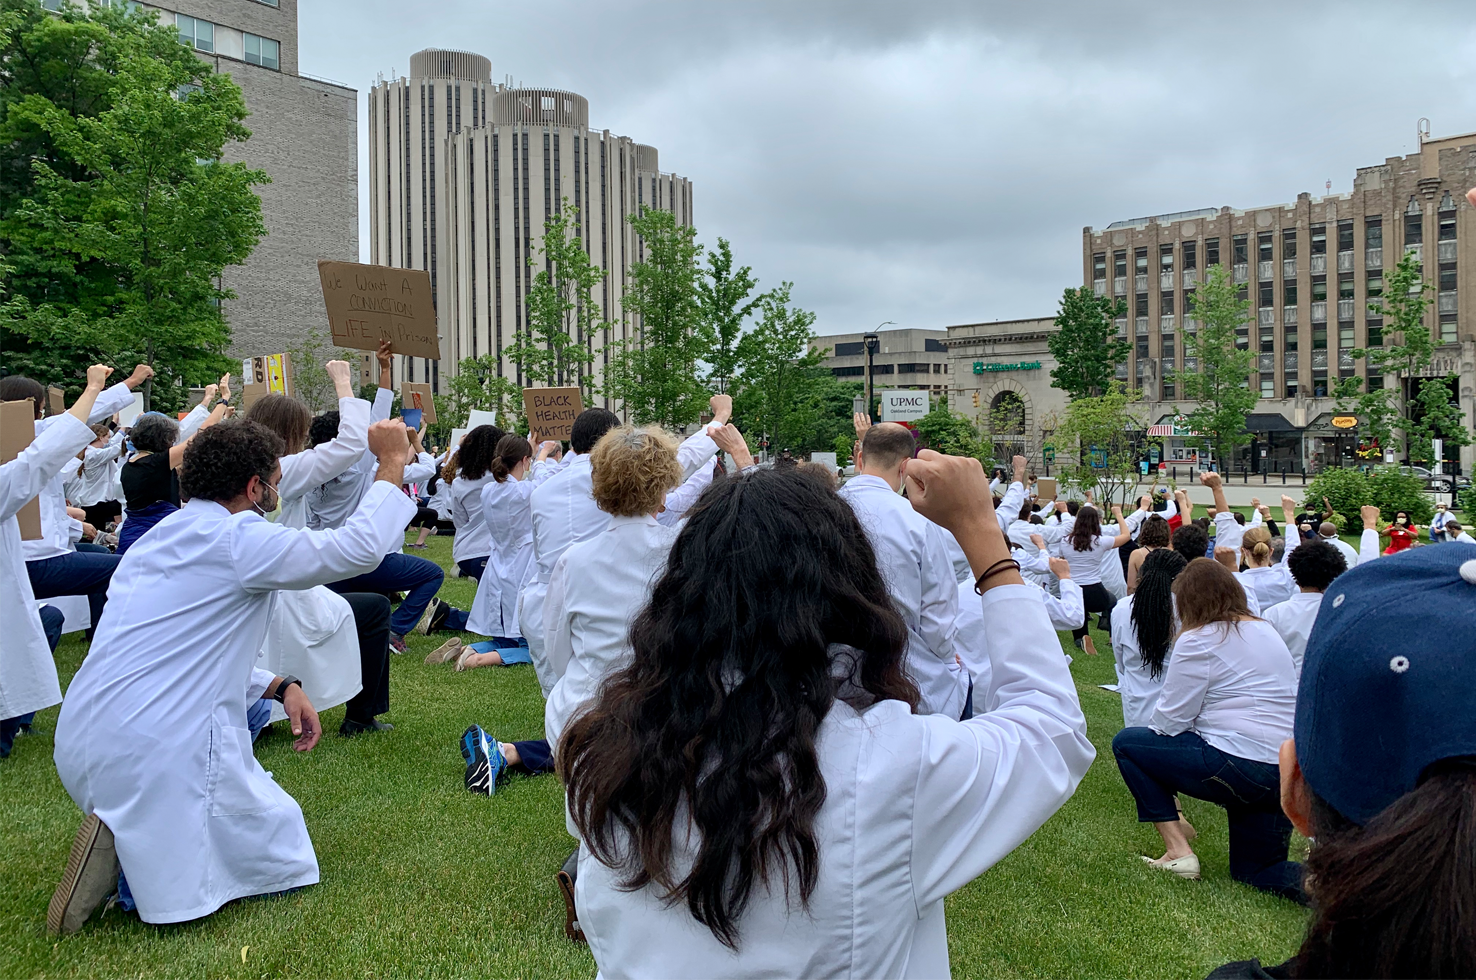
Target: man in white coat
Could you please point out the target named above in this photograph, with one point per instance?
(152, 741)
(914, 559)
(28, 679)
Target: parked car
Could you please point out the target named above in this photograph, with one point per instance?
(1434, 482)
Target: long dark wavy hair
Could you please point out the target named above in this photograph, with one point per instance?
(477, 451)
(1153, 607)
(1088, 526)
(735, 665)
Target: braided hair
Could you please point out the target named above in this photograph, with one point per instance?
(1153, 607)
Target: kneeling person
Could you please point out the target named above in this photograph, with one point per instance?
(173, 785)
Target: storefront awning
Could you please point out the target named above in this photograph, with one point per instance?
(1334, 424)
(1268, 422)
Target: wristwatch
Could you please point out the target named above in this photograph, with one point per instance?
(281, 691)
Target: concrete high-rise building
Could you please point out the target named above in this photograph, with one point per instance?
(464, 172)
(1309, 270)
(304, 134)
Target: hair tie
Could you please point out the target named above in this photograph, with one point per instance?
(992, 569)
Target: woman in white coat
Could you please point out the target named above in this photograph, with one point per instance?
(468, 472)
(152, 742)
(507, 514)
(766, 720)
(1143, 628)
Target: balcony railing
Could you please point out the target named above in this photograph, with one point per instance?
(1289, 316)
(1319, 265)
(1345, 357)
(1373, 258)
(1166, 279)
(1191, 276)
(1122, 372)
(1266, 363)
(1191, 364)
(1418, 251)
(1289, 361)
(1319, 359)
(1141, 326)
(1288, 268)
(1345, 261)
(1263, 270)
(1346, 308)
(1120, 286)
(1447, 251)
(1166, 323)
(1266, 317)
(1447, 302)
(1099, 287)
(1241, 272)
(1140, 282)
(1319, 311)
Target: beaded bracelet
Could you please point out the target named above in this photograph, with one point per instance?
(979, 582)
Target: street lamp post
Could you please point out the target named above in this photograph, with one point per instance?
(872, 343)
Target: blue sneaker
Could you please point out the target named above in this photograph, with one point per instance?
(485, 763)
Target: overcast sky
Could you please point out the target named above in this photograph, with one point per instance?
(934, 163)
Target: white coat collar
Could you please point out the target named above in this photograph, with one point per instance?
(867, 480)
(642, 519)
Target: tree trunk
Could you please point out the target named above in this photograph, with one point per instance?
(149, 383)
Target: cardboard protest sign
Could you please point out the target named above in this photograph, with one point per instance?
(252, 393)
(271, 371)
(130, 414)
(17, 429)
(478, 417)
(370, 303)
(551, 411)
(1045, 488)
(56, 400)
(414, 394)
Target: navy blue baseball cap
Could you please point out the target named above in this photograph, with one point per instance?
(1389, 687)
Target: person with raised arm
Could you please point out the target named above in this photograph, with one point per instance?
(152, 742)
(150, 477)
(1264, 578)
(30, 635)
(1084, 548)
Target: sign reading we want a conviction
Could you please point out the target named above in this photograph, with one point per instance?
(370, 303)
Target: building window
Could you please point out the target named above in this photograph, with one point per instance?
(1289, 243)
(848, 372)
(1263, 247)
(1188, 303)
(1120, 264)
(1345, 336)
(1319, 289)
(1291, 387)
(1099, 265)
(1267, 295)
(1142, 347)
(1319, 239)
(262, 51)
(1345, 285)
(1376, 333)
(1345, 236)
(1166, 303)
(1165, 258)
(1239, 250)
(1447, 276)
(1289, 292)
(1289, 339)
(1375, 382)
(1414, 223)
(198, 34)
(1140, 305)
(1167, 347)
(1191, 256)
(1140, 261)
(1319, 336)
(1319, 383)
(881, 369)
(1211, 251)
(1373, 232)
(913, 368)
(1447, 328)
(1268, 339)
(937, 369)
(1447, 226)
(1374, 286)
(1268, 386)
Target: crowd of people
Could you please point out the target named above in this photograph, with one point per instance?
(790, 716)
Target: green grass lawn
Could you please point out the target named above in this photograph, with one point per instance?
(421, 878)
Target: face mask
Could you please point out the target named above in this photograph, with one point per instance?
(276, 508)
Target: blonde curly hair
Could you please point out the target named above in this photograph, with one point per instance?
(633, 469)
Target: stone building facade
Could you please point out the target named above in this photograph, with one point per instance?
(1002, 371)
(1309, 270)
(911, 358)
(463, 173)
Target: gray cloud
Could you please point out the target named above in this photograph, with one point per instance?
(934, 163)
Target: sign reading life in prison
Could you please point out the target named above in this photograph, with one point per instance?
(370, 303)
(551, 411)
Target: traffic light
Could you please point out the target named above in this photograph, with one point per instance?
(976, 399)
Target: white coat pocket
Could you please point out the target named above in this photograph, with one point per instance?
(237, 784)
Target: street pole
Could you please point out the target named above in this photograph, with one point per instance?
(872, 343)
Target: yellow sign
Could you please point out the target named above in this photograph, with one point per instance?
(1344, 422)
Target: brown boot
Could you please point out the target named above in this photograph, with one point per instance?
(566, 877)
(91, 876)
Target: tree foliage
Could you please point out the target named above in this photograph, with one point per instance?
(555, 349)
(1346, 490)
(1085, 343)
(782, 382)
(1220, 380)
(725, 299)
(1096, 446)
(654, 373)
(1436, 414)
(950, 432)
(120, 213)
(477, 385)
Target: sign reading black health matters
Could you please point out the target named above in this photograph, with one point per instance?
(551, 411)
(370, 303)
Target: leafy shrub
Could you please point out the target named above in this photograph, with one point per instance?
(1393, 491)
(1347, 490)
(1468, 501)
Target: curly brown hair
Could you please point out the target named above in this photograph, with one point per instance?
(633, 469)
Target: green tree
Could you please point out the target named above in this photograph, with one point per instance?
(1346, 490)
(950, 432)
(654, 373)
(1085, 343)
(1436, 414)
(310, 381)
(563, 318)
(130, 204)
(1220, 380)
(782, 383)
(724, 300)
(1097, 432)
(478, 385)
(1388, 409)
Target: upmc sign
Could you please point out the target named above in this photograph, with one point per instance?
(903, 406)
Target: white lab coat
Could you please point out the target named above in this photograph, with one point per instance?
(1344, 548)
(597, 588)
(1273, 584)
(972, 639)
(152, 737)
(505, 510)
(1293, 621)
(94, 482)
(27, 671)
(914, 561)
(916, 807)
(1135, 683)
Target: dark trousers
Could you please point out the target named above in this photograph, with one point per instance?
(473, 568)
(425, 517)
(100, 513)
(1098, 600)
(78, 573)
(372, 620)
(418, 578)
(535, 757)
(1155, 767)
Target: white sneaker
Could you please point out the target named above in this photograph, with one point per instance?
(1185, 867)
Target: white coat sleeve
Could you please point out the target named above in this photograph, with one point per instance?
(1228, 532)
(384, 400)
(1368, 546)
(1069, 611)
(1185, 682)
(314, 467)
(988, 783)
(112, 401)
(261, 679)
(558, 637)
(680, 500)
(1170, 512)
(191, 423)
(938, 616)
(421, 470)
(696, 450)
(1010, 504)
(269, 556)
(22, 479)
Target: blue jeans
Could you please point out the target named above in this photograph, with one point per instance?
(420, 580)
(1155, 767)
(77, 573)
(473, 568)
